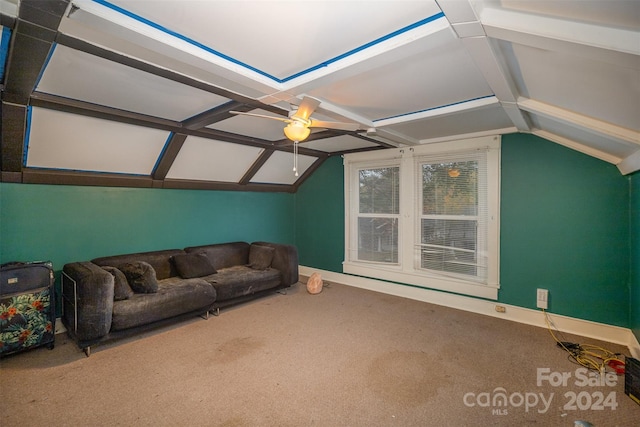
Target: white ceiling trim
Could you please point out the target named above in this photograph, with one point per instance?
(9, 7)
(516, 115)
(391, 136)
(599, 36)
(630, 164)
(113, 22)
(489, 60)
(116, 24)
(446, 110)
(492, 132)
(493, 70)
(609, 44)
(569, 143)
(589, 124)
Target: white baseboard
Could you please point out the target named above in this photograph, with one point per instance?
(586, 328)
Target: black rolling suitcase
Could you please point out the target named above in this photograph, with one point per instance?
(27, 306)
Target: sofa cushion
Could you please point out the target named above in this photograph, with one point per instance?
(159, 260)
(240, 280)
(193, 265)
(175, 297)
(260, 257)
(223, 255)
(141, 277)
(121, 288)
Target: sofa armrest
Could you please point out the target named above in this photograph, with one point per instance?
(87, 300)
(285, 259)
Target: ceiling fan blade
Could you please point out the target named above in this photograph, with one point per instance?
(334, 125)
(306, 108)
(282, 119)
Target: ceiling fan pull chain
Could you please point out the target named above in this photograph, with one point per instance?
(295, 157)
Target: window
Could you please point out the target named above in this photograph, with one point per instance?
(426, 215)
(378, 214)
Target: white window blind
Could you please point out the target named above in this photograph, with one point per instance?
(426, 215)
(378, 201)
(452, 214)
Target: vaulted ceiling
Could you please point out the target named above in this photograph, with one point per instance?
(140, 93)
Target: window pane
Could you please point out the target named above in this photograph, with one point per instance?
(378, 239)
(379, 190)
(449, 245)
(450, 188)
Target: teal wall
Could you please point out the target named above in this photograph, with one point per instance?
(320, 217)
(634, 300)
(68, 223)
(564, 227)
(569, 223)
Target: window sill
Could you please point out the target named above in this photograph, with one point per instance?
(394, 274)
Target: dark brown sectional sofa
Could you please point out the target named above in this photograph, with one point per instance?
(122, 295)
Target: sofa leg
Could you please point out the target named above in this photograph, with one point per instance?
(282, 291)
(87, 351)
(216, 311)
(205, 316)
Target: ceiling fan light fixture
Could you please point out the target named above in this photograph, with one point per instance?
(296, 131)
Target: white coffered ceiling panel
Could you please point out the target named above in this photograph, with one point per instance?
(588, 86)
(72, 142)
(77, 75)
(389, 90)
(210, 160)
(278, 169)
(338, 143)
(280, 38)
(271, 130)
(463, 122)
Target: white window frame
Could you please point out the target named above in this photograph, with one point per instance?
(407, 270)
(355, 183)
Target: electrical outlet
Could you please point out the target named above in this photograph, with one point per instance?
(501, 308)
(543, 298)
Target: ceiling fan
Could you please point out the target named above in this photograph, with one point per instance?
(300, 121)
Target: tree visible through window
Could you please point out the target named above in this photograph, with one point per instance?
(427, 215)
(378, 214)
(449, 217)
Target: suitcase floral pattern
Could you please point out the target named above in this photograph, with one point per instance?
(24, 322)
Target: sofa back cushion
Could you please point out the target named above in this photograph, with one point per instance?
(224, 255)
(159, 260)
(193, 264)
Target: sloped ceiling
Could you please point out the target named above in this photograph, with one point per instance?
(140, 93)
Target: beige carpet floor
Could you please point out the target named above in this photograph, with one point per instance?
(345, 357)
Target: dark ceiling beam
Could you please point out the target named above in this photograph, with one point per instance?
(33, 32)
(14, 119)
(168, 156)
(255, 167)
(31, 41)
(60, 177)
(74, 106)
(45, 13)
(7, 21)
(225, 186)
(215, 114)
